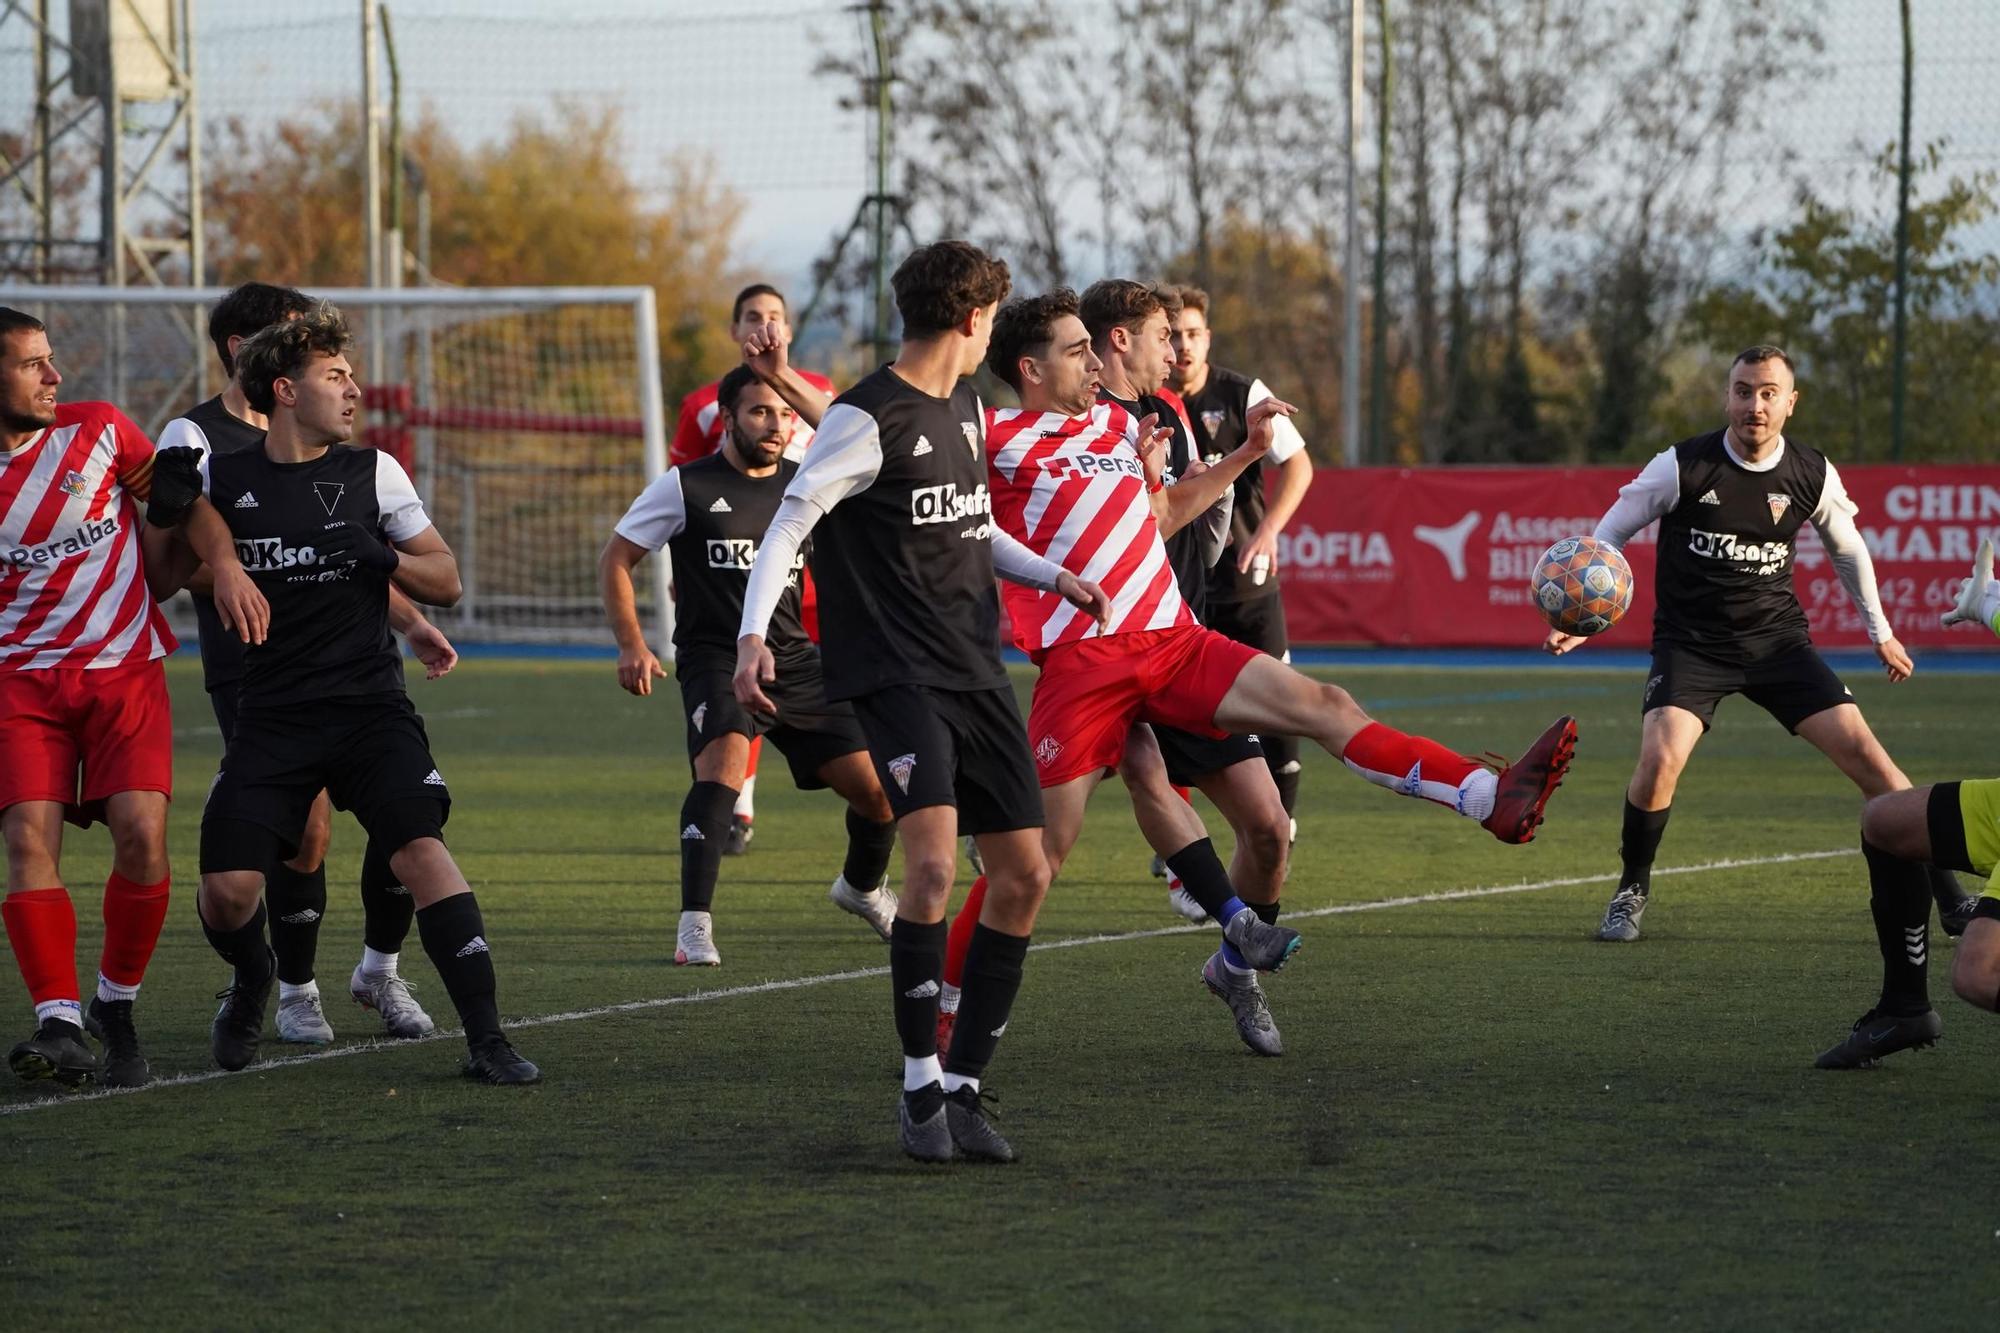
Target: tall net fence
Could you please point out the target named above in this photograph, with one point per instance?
(528, 420)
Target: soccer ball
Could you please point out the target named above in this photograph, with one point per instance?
(1582, 585)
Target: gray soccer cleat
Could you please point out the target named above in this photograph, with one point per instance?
(921, 1121)
(391, 997)
(1158, 870)
(877, 906)
(302, 1020)
(1621, 918)
(1266, 948)
(1980, 598)
(1876, 1035)
(972, 855)
(1245, 999)
(965, 1112)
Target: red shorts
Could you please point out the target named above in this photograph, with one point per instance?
(76, 736)
(1091, 691)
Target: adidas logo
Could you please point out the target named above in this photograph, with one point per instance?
(477, 944)
(923, 446)
(923, 992)
(304, 917)
(436, 779)
(692, 834)
(721, 506)
(246, 501)
(1711, 499)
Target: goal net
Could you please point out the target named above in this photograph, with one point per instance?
(528, 418)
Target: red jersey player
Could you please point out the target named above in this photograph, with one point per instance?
(85, 731)
(1077, 480)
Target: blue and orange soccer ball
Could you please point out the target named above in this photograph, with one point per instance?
(1582, 585)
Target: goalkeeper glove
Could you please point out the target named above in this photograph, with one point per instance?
(349, 543)
(176, 486)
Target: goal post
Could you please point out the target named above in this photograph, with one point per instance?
(528, 417)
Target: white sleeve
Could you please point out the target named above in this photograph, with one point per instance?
(772, 573)
(1285, 437)
(1849, 551)
(403, 515)
(846, 457)
(1211, 530)
(202, 467)
(1015, 562)
(658, 515)
(1655, 491)
(180, 433)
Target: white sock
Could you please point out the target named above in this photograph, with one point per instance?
(920, 1072)
(69, 1011)
(375, 964)
(1476, 793)
(947, 998)
(953, 1082)
(111, 992)
(746, 799)
(287, 992)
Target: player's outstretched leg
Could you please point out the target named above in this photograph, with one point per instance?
(454, 936)
(387, 912)
(1902, 1018)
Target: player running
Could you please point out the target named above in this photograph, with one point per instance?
(710, 514)
(1078, 480)
(1728, 621)
(295, 890)
(323, 531)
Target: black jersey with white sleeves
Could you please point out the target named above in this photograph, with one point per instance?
(209, 428)
(329, 633)
(1219, 416)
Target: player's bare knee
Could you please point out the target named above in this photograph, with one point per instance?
(1975, 968)
(139, 846)
(928, 877)
(228, 898)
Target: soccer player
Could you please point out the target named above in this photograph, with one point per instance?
(711, 513)
(85, 729)
(323, 530)
(1243, 599)
(1728, 621)
(894, 496)
(1953, 826)
(1076, 479)
(295, 890)
(759, 316)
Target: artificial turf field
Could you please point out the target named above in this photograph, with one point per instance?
(1483, 1117)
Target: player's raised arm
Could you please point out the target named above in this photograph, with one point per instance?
(1198, 491)
(1834, 520)
(767, 352)
(1295, 474)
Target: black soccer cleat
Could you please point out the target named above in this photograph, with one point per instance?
(238, 1028)
(57, 1051)
(922, 1126)
(124, 1064)
(496, 1062)
(1955, 917)
(1878, 1034)
(972, 1133)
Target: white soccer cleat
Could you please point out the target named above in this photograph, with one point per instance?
(1980, 598)
(302, 1020)
(391, 997)
(695, 946)
(877, 907)
(1183, 904)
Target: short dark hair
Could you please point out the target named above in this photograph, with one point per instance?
(1188, 296)
(253, 306)
(14, 321)
(938, 286)
(280, 351)
(1764, 352)
(732, 385)
(1024, 327)
(754, 290)
(1117, 303)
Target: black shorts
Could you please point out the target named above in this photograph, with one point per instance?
(808, 730)
(1791, 686)
(372, 755)
(222, 699)
(1190, 758)
(1259, 622)
(964, 748)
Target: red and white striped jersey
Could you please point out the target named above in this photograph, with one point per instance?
(1073, 490)
(72, 589)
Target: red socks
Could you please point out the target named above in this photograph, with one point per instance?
(133, 915)
(1411, 765)
(41, 925)
(960, 940)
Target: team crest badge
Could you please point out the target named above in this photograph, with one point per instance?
(900, 768)
(1779, 504)
(75, 485)
(700, 712)
(1049, 750)
(1211, 420)
(329, 494)
(971, 436)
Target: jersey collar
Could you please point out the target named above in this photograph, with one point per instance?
(1777, 455)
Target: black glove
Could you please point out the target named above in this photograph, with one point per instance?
(176, 486)
(349, 543)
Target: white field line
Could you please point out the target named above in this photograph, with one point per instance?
(856, 974)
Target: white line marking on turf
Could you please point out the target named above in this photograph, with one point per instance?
(857, 974)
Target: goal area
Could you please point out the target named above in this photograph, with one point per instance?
(528, 417)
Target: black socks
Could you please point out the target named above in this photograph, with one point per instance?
(386, 906)
(454, 936)
(1900, 903)
(1638, 843)
(1282, 754)
(243, 949)
(916, 975)
(297, 899)
(868, 848)
(1202, 874)
(992, 980)
(704, 828)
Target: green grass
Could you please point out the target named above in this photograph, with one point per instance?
(1483, 1119)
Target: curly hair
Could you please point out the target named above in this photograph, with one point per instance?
(1119, 303)
(941, 284)
(1024, 327)
(280, 351)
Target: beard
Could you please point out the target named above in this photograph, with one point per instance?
(18, 422)
(758, 451)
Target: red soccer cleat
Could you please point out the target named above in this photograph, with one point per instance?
(1526, 784)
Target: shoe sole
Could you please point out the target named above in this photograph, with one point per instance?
(413, 1034)
(682, 960)
(34, 1067)
(1875, 1061)
(1523, 828)
(866, 916)
(918, 1150)
(291, 1040)
(487, 1081)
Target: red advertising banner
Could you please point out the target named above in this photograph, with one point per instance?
(1441, 557)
